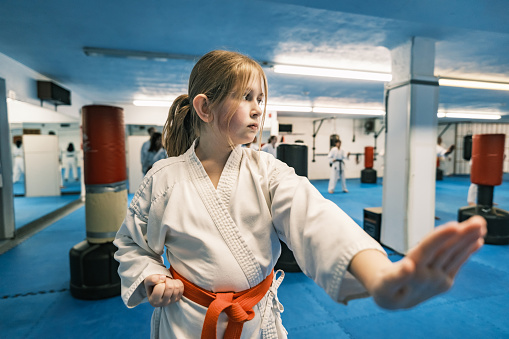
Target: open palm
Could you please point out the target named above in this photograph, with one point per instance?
(430, 267)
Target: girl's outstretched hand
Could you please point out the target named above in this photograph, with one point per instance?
(428, 269)
(162, 290)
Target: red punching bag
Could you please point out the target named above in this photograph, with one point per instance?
(93, 267)
(487, 159)
(368, 157)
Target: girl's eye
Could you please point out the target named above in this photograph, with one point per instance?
(260, 102)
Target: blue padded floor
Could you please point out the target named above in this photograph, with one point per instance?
(35, 301)
(29, 209)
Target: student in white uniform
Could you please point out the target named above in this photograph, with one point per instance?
(18, 168)
(337, 158)
(156, 150)
(144, 155)
(69, 162)
(443, 153)
(270, 146)
(219, 210)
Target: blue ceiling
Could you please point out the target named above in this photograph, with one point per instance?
(472, 42)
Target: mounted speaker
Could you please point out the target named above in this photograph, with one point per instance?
(369, 126)
(52, 93)
(285, 128)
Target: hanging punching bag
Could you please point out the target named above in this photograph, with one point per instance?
(93, 268)
(467, 147)
(296, 156)
(487, 172)
(368, 174)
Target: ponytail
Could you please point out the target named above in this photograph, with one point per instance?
(181, 127)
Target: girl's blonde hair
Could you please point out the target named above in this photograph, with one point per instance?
(219, 75)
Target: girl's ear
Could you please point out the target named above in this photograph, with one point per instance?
(201, 105)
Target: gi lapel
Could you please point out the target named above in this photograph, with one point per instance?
(216, 202)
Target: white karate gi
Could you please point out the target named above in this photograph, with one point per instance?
(441, 155)
(472, 190)
(69, 163)
(227, 239)
(18, 168)
(337, 169)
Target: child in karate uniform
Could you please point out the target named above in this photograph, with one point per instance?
(220, 209)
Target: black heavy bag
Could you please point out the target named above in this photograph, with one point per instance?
(296, 156)
(467, 147)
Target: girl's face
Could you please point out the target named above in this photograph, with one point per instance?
(245, 121)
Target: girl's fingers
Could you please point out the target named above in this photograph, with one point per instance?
(455, 247)
(157, 293)
(432, 247)
(168, 292)
(455, 263)
(153, 280)
(426, 251)
(173, 290)
(179, 289)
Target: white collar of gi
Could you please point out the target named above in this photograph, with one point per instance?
(233, 159)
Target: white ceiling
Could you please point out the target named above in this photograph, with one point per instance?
(472, 42)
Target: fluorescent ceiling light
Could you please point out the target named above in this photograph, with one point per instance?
(332, 72)
(474, 84)
(287, 108)
(329, 110)
(469, 115)
(152, 103)
(357, 111)
(141, 55)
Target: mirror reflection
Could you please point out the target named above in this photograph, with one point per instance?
(47, 168)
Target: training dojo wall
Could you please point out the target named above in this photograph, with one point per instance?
(302, 129)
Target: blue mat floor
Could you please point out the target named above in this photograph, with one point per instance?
(28, 209)
(35, 301)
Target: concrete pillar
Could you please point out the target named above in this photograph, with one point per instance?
(410, 150)
(7, 226)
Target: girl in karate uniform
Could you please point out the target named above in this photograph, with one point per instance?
(336, 161)
(18, 163)
(69, 160)
(219, 211)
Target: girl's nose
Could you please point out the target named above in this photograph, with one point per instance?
(257, 110)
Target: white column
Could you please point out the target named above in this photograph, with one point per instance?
(7, 226)
(410, 152)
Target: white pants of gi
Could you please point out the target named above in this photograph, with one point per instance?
(70, 163)
(18, 169)
(472, 194)
(337, 171)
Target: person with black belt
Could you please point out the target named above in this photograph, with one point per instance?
(336, 162)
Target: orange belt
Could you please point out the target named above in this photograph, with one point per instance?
(237, 306)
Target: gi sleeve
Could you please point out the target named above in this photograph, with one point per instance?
(323, 238)
(140, 246)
